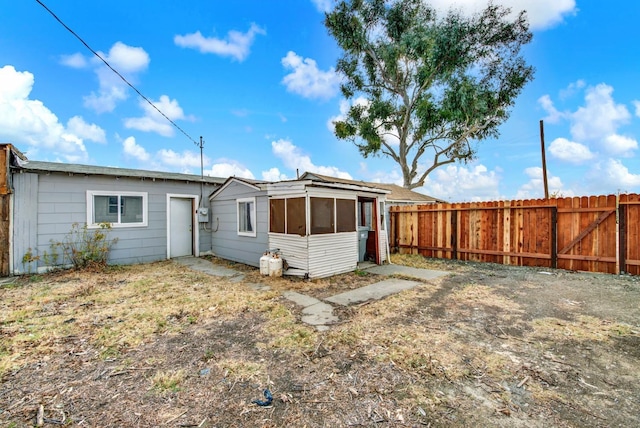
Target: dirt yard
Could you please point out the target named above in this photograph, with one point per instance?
(159, 345)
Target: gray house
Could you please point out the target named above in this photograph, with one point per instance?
(154, 215)
(319, 227)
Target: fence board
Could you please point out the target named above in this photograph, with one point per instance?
(632, 241)
(579, 233)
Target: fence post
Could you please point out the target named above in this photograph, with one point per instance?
(396, 230)
(554, 237)
(622, 247)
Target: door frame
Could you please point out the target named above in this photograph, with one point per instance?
(375, 221)
(195, 229)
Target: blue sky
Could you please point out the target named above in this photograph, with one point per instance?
(256, 80)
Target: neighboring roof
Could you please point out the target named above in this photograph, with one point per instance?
(255, 184)
(397, 193)
(38, 166)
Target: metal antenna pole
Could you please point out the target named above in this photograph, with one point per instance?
(201, 159)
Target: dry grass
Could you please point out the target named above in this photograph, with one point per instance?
(118, 309)
(441, 354)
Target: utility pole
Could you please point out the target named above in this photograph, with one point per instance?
(544, 161)
(201, 145)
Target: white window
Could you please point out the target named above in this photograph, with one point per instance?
(247, 216)
(120, 209)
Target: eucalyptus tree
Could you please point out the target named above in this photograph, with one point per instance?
(425, 85)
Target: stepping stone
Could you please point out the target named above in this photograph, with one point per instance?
(301, 299)
(314, 312)
(319, 314)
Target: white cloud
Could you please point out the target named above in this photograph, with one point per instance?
(570, 151)
(133, 150)
(229, 168)
(572, 88)
(637, 106)
(594, 123)
(237, 45)
(534, 188)
(76, 125)
(294, 159)
(76, 60)
(611, 176)
(323, 5)
(460, 183)
(273, 174)
(30, 122)
(553, 115)
(600, 117)
(129, 61)
(620, 145)
(541, 13)
(153, 121)
(185, 160)
(307, 80)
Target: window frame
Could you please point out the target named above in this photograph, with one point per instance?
(91, 194)
(252, 217)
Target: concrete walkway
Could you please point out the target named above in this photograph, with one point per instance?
(375, 291)
(205, 266)
(316, 312)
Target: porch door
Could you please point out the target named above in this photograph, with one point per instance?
(181, 227)
(368, 216)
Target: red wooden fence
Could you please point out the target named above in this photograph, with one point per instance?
(594, 233)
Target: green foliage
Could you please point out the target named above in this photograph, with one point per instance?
(28, 258)
(81, 247)
(432, 84)
(84, 247)
(51, 258)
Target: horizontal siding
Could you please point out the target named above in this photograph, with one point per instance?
(225, 241)
(332, 254)
(293, 249)
(50, 204)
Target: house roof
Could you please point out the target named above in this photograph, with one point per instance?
(255, 184)
(398, 194)
(38, 166)
(328, 182)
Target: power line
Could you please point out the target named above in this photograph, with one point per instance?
(116, 72)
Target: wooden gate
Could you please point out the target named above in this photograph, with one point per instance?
(595, 233)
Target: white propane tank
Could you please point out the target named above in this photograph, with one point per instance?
(264, 264)
(275, 266)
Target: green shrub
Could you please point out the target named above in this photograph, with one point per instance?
(84, 247)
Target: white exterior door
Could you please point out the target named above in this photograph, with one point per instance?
(180, 227)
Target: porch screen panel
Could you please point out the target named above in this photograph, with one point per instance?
(322, 220)
(296, 217)
(346, 215)
(277, 217)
